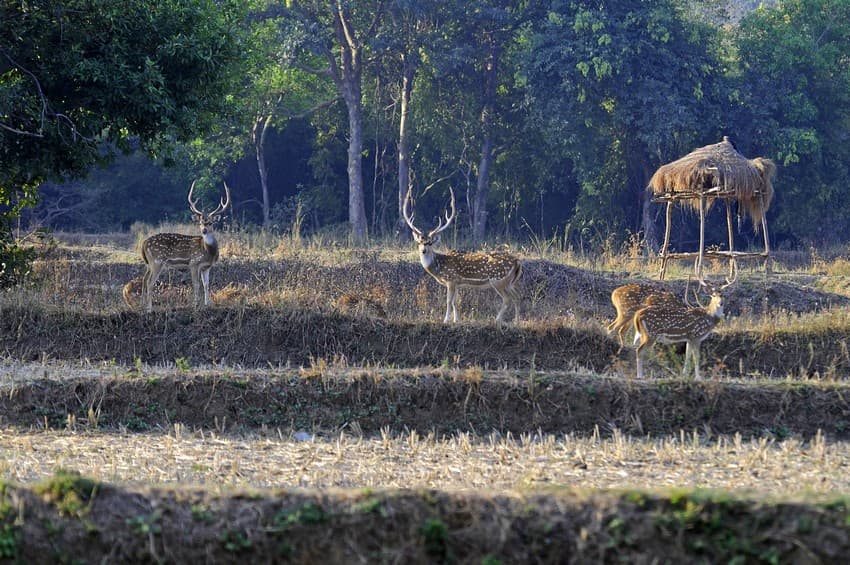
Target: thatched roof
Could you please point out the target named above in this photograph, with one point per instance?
(719, 166)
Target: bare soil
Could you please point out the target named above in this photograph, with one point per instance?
(87, 382)
(72, 519)
(327, 400)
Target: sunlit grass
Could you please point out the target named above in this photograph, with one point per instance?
(85, 272)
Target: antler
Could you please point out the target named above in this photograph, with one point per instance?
(449, 217)
(222, 206)
(192, 205)
(696, 294)
(711, 289)
(734, 276)
(440, 225)
(407, 217)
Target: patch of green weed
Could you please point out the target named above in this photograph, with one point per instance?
(435, 534)
(69, 491)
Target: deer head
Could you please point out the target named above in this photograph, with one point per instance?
(206, 220)
(715, 303)
(426, 241)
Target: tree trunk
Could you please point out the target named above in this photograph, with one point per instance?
(479, 226)
(482, 188)
(349, 79)
(404, 147)
(356, 200)
(259, 134)
(650, 233)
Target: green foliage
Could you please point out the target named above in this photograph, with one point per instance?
(8, 541)
(84, 79)
(145, 526)
(235, 542)
(621, 88)
(308, 513)
(578, 101)
(15, 261)
(794, 96)
(436, 536)
(69, 491)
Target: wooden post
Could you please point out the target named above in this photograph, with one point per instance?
(701, 235)
(768, 261)
(731, 238)
(668, 216)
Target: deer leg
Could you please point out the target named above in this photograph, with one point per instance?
(639, 361)
(617, 326)
(515, 296)
(505, 299)
(450, 303)
(644, 342)
(205, 279)
(151, 275)
(695, 356)
(196, 283)
(688, 354)
(622, 326)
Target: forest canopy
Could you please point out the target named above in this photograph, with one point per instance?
(546, 117)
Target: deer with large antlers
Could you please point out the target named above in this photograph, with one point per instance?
(669, 321)
(494, 269)
(630, 298)
(195, 253)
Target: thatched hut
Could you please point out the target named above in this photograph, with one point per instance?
(711, 173)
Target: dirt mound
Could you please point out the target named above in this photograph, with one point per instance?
(70, 518)
(257, 336)
(439, 401)
(551, 292)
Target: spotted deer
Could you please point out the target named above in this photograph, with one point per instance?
(132, 292)
(492, 269)
(195, 253)
(675, 322)
(630, 298)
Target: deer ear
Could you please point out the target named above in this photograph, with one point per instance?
(196, 217)
(435, 239)
(216, 218)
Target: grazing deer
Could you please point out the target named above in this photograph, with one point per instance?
(132, 292)
(495, 269)
(195, 253)
(630, 298)
(675, 322)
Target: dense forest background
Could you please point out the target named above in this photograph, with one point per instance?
(547, 117)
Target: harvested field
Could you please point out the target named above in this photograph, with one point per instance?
(764, 467)
(319, 409)
(326, 399)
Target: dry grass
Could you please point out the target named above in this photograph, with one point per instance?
(78, 289)
(83, 274)
(764, 467)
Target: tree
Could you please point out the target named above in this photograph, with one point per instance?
(339, 32)
(468, 97)
(622, 88)
(83, 78)
(275, 92)
(792, 103)
(494, 24)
